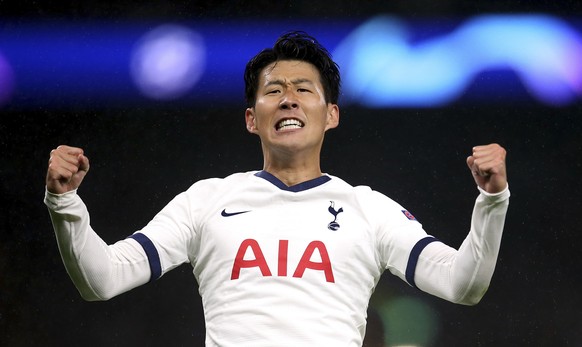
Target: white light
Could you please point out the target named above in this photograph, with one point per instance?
(167, 62)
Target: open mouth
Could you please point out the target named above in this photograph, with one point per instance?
(289, 123)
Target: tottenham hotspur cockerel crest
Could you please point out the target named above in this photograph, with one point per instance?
(334, 225)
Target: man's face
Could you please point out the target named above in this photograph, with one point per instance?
(291, 114)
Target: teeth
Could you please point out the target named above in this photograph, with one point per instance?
(289, 124)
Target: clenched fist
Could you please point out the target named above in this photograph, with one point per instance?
(488, 167)
(67, 167)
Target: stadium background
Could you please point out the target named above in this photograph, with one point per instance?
(144, 151)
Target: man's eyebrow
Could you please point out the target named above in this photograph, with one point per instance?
(294, 82)
(302, 80)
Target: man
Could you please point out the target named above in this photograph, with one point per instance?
(286, 255)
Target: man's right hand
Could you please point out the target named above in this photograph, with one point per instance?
(67, 167)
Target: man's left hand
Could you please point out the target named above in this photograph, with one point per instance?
(487, 164)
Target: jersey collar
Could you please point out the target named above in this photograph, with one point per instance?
(295, 188)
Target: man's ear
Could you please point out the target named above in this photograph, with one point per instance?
(332, 116)
(250, 120)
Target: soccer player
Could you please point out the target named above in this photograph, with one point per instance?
(288, 255)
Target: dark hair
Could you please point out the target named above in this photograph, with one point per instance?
(294, 45)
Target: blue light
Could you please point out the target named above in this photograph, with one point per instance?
(168, 62)
(382, 60)
(381, 68)
(6, 80)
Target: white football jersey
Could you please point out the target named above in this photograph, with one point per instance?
(278, 265)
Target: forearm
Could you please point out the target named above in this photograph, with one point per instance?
(99, 271)
(464, 276)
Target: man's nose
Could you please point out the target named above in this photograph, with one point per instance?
(289, 101)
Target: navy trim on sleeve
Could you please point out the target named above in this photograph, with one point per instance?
(152, 254)
(413, 258)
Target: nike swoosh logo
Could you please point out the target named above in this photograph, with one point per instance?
(227, 214)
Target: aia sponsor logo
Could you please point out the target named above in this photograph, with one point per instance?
(258, 260)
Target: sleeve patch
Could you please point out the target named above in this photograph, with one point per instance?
(409, 215)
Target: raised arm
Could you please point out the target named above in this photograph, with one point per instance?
(99, 271)
(463, 275)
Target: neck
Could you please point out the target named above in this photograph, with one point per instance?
(293, 169)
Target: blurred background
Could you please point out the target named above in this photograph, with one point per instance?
(153, 92)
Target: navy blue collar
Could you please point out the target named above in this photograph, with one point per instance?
(296, 188)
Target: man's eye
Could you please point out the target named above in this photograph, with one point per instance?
(303, 90)
(275, 91)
